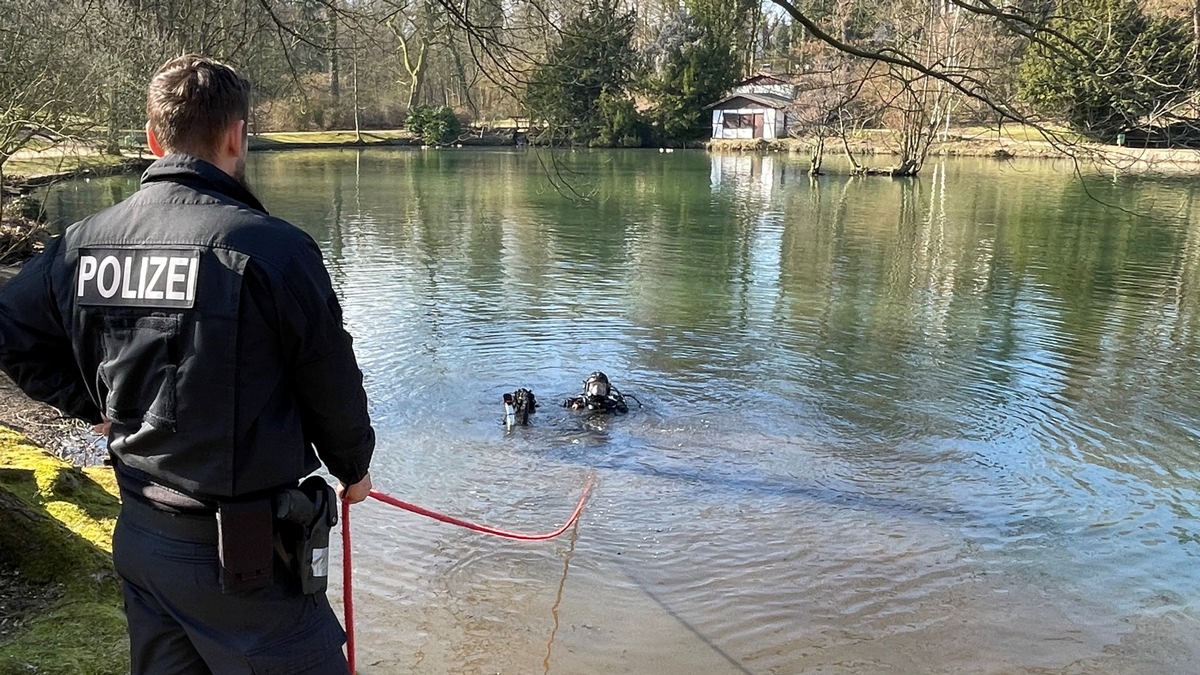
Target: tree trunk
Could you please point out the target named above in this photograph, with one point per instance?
(113, 144)
(42, 547)
(908, 167)
(818, 155)
(335, 85)
(1195, 33)
(416, 73)
(464, 93)
(1196, 25)
(855, 167)
(354, 80)
(22, 525)
(413, 65)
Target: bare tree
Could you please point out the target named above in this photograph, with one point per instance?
(415, 29)
(831, 104)
(37, 95)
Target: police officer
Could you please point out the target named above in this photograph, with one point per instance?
(205, 336)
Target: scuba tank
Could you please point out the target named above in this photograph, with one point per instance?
(510, 414)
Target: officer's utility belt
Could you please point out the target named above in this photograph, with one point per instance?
(293, 522)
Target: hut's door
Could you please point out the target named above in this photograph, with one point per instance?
(758, 125)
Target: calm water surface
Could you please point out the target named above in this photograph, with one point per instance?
(920, 426)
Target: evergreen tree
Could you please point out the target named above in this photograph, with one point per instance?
(582, 89)
(695, 62)
(1109, 67)
(694, 68)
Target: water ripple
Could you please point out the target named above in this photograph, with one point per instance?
(920, 426)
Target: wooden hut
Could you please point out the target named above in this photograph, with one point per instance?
(755, 108)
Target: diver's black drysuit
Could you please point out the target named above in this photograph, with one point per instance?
(608, 404)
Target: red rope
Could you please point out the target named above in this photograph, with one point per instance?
(347, 589)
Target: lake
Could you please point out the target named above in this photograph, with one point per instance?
(949, 424)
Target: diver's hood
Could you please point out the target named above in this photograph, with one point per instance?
(596, 385)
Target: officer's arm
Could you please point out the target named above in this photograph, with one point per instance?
(34, 348)
(324, 374)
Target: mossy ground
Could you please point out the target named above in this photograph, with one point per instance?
(61, 537)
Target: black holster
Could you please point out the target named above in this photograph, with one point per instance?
(304, 516)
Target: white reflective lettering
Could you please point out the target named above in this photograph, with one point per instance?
(108, 290)
(137, 277)
(142, 280)
(191, 280)
(126, 291)
(175, 276)
(159, 263)
(87, 271)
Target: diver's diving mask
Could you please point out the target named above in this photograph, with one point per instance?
(596, 385)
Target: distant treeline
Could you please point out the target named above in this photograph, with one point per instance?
(611, 72)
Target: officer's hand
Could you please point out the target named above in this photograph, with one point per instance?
(103, 428)
(357, 492)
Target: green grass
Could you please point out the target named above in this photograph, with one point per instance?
(266, 141)
(52, 163)
(1016, 132)
(73, 512)
(52, 160)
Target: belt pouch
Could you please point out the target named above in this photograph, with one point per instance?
(245, 541)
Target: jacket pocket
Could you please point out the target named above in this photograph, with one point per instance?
(138, 371)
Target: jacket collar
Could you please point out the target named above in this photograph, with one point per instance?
(199, 174)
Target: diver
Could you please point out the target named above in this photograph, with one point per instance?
(518, 406)
(599, 396)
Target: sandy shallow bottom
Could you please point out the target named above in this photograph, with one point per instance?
(556, 608)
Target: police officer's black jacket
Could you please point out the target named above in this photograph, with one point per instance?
(205, 329)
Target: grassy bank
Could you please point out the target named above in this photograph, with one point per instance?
(878, 146)
(33, 169)
(56, 535)
(284, 140)
(36, 166)
(1010, 141)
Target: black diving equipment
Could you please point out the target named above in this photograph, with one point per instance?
(305, 515)
(518, 406)
(596, 385)
(598, 395)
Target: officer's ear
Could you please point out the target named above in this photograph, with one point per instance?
(233, 141)
(152, 141)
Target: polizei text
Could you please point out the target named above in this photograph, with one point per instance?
(137, 277)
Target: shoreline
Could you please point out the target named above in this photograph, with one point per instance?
(1099, 156)
(34, 170)
(30, 170)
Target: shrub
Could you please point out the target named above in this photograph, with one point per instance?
(435, 125)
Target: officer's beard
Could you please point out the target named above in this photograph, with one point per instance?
(239, 172)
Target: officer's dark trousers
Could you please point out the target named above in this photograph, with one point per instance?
(181, 623)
